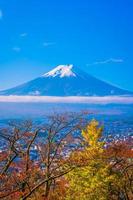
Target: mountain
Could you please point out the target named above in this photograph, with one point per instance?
(66, 80)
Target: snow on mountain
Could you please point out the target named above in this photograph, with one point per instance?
(61, 71)
(66, 80)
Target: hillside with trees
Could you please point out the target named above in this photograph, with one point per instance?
(64, 158)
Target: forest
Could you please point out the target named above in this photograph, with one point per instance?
(65, 157)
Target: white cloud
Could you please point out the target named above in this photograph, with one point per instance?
(16, 49)
(23, 34)
(70, 99)
(110, 60)
(1, 14)
(47, 44)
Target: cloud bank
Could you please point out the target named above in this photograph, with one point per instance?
(69, 99)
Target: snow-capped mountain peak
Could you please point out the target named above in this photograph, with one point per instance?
(65, 80)
(61, 71)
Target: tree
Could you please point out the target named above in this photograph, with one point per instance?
(120, 156)
(64, 158)
(91, 179)
(35, 157)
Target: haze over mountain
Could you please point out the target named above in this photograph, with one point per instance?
(66, 80)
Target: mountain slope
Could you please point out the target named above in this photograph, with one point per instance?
(66, 80)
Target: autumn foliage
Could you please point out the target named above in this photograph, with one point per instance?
(64, 158)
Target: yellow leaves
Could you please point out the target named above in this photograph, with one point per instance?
(99, 171)
(92, 133)
(93, 147)
(90, 181)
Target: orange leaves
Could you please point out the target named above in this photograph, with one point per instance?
(58, 166)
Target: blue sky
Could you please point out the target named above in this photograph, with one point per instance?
(95, 35)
